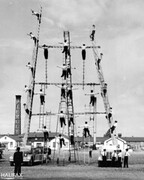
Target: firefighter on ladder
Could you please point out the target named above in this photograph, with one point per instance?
(92, 97)
(42, 96)
(66, 48)
(86, 130)
(92, 33)
(62, 119)
(33, 37)
(38, 15)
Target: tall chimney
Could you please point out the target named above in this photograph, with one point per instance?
(17, 126)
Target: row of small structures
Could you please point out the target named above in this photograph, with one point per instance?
(36, 138)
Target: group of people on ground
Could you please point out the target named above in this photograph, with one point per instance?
(116, 158)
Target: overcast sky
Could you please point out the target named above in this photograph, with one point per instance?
(119, 32)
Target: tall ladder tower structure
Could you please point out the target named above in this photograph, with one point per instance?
(69, 101)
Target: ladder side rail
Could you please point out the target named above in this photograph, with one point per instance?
(102, 81)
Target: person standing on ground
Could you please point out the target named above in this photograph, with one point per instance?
(104, 157)
(120, 158)
(49, 154)
(18, 159)
(126, 155)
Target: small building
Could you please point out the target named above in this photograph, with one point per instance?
(10, 141)
(122, 144)
(36, 139)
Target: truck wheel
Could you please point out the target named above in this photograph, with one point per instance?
(31, 162)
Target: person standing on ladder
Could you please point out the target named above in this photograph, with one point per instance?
(64, 71)
(27, 89)
(33, 37)
(62, 119)
(66, 49)
(93, 32)
(109, 116)
(30, 67)
(61, 141)
(86, 130)
(69, 92)
(69, 70)
(63, 90)
(92, 98)
(45, 133)
(99, 60)
(38, 15)
(113, 127)
(26, 109)
(104, 90)
(42, 96)
(71, 120)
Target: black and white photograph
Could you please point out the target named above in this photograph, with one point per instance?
(72, 89)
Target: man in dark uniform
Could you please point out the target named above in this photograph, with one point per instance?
(18, 159)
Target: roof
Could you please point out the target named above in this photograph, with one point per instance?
(120, 139)
(133, 139)
(18, 138)
(15, 137)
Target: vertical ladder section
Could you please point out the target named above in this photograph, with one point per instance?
(69, 99)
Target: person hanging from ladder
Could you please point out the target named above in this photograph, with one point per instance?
(61, 141)
(113, 127)
(27, 89)
(86, 130)
(26, 109)
(33, 37)
(83, 51)
(45, 47)
(93, 32)
(42, 96)
(38, 15)
(65, 48)
(30, 67)
(64, 71)
(99, 60)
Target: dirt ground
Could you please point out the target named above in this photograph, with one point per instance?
(79, 171)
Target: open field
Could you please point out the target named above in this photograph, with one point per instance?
(80, 170)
